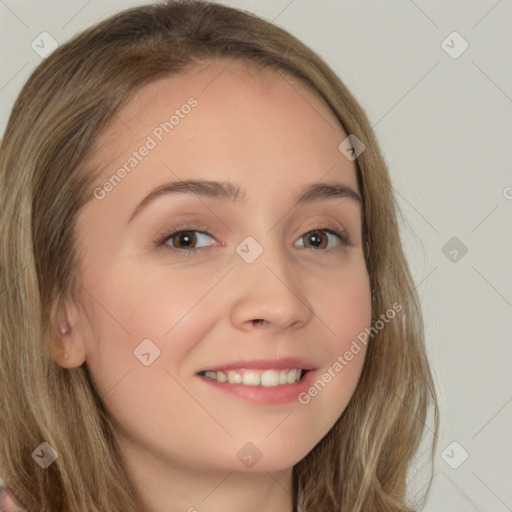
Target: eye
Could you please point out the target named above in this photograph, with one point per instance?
(183, 240)
(187, 239)
(318, 238)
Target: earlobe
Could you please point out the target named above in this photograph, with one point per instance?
(67, 348)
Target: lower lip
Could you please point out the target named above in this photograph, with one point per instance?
(271, 395)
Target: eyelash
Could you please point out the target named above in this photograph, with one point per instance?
(164, 237)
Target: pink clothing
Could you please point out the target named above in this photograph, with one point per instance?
(8, 502)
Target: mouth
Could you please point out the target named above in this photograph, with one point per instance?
(256, 377)
(265, 382)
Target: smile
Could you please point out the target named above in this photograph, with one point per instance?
(265, 378)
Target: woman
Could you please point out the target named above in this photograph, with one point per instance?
(281, 365)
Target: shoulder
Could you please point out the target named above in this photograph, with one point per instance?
(8, 502)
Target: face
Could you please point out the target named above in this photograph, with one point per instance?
(194, 279)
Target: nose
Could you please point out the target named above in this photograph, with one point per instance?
(269, 292)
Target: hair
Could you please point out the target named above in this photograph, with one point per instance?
(361, 464)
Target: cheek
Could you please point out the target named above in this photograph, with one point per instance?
(145, 328)
(141, 318)
(343, 305)
(342, 302)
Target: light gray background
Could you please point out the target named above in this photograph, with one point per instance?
(444, 125)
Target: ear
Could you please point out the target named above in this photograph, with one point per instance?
(67, 345)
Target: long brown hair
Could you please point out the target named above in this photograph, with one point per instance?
(361, 464)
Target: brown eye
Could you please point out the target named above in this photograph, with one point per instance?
(320, 238)
(184, 240)
(316, 239)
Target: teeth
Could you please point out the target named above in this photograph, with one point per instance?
(233, 377)
(291, 377)
(251, 378)
(270, 378)
(266, 378)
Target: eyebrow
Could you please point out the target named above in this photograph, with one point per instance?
(229, 191)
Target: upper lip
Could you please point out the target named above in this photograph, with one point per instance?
(283, 363)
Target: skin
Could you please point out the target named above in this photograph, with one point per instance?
(271, 136)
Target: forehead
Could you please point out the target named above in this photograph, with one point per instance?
(226, 79)
(221, 87)
(256, 127)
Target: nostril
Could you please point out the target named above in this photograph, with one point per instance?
(258, 321)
